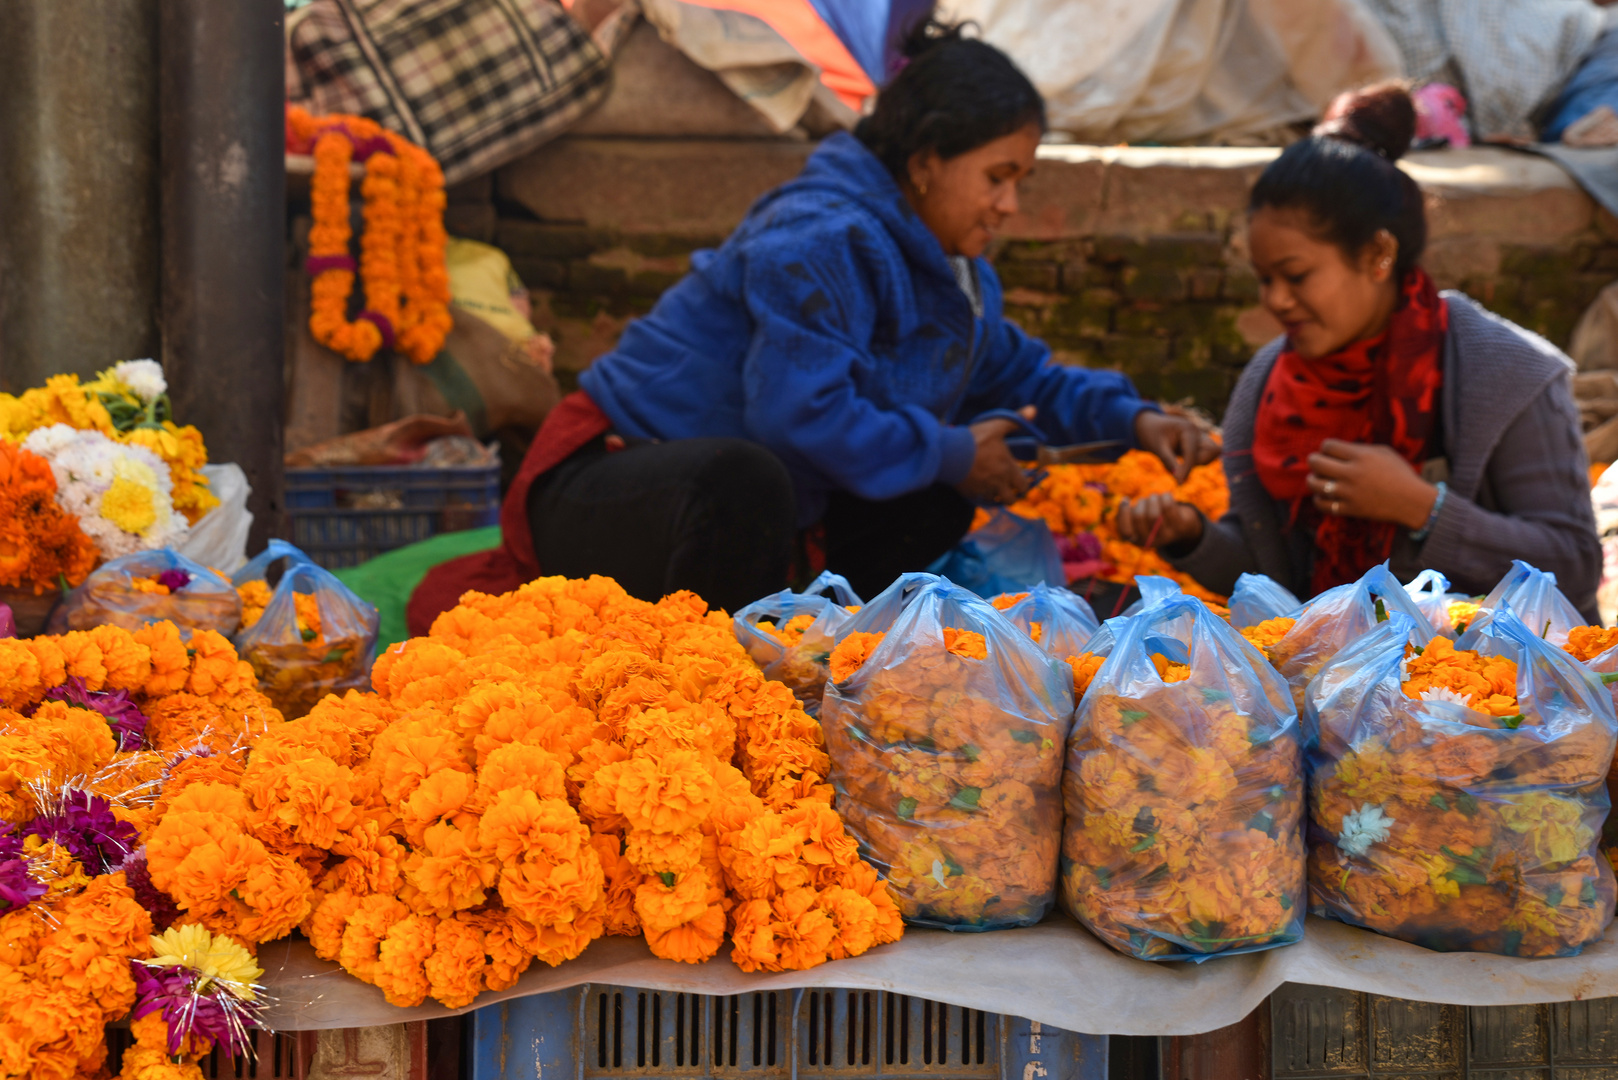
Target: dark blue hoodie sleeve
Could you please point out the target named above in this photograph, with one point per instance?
(813, 309)
(1075, 404)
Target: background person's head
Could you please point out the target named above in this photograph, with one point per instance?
(958, 128)
(1335, 226)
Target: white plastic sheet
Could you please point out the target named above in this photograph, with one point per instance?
(1056, 973)
(1185, 70)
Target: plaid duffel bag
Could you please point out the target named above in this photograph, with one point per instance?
(477, 83)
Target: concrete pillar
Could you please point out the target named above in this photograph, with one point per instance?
(78, 187)
(224, 233)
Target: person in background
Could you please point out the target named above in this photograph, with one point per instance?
(826, 367)
(1391, 421)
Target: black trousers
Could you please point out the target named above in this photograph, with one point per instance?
(716, 516)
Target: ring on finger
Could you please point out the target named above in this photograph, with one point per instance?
(1329, 488)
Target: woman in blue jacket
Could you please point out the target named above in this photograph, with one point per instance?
(822, 369)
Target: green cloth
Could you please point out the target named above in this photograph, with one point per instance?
(388, 580)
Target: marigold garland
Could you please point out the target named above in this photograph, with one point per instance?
(402, 252)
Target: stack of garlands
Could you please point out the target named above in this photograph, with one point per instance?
(1184, 802)
(1078, 502)
(1454, 814)
(123, 467)
(102, 734)
(546, 767)
(402, 252)
(949, 762)
(41, 547)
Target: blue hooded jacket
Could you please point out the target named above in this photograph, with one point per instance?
(830, 328)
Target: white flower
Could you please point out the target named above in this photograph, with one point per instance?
(49, 441)
(1363, 827)
(143, 377)
(1446, 695)
(87, 464)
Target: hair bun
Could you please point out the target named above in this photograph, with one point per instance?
(1381, 117)
(928, 34)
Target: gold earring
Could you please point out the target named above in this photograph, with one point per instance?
(921, 189)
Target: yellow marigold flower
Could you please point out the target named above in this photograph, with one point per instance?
(213, 956)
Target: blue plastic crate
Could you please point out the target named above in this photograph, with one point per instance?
(598, 1032)
(344, 516)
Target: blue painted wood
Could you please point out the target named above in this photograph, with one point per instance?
(531, 1038)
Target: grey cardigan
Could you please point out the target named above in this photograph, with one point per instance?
(1518, 479)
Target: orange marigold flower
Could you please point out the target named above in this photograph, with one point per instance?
(669, 793)
(1586, 643)
(851, 653)
(1263, 636)
(966, 643)
(1485, 684)
(1084, 668)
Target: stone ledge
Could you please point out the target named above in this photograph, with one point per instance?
(704, 187)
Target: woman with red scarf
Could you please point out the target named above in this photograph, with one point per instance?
(1391, 422)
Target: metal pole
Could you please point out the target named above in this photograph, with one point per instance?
(223, 180)
(78, 187)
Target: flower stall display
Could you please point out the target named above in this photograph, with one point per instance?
(945, 732)
(41, 546)
(309, 636)
(1058, 620)
(148, 587)
(100, 731)
(1457, 794)
(1079, 502)
(790, 635)
(127, 404)
(121, 493)
(1183, 792)
(401, 252)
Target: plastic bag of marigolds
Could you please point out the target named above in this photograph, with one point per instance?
(945, 734)
(1457, 794)
(307, 637)
(1057, 619)
(147, 587)
(1183, 791)
(790, 635)
(1299, 646)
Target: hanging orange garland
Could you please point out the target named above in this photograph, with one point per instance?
(401, 261)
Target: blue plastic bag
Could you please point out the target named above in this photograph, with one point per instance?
(1257, 597)
(1430, 590)
(1058, 620)
(1153, 590)
(789, 635)
(1443, 825)
(1534, 597)
(312, 636)
(1335, 618)
(946, 751)
(203, 600)
(1010, 553)
(1184, 793)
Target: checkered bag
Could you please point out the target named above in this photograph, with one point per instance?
(477, 83)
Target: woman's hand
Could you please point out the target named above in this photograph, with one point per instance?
(996, 476)
(1176, 439)
(1158, 521)
(1373, 482)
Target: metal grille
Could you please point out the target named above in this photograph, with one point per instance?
(628, 1032)
(275, 1060)
(1320, 1032)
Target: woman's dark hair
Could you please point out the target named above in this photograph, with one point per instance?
(1344, 178)
(953, 95)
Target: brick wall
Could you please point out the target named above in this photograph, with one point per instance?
(1131, 259)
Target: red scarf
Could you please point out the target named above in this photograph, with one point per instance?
(1381, 390)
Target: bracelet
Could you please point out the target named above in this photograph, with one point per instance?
(1432, 515)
